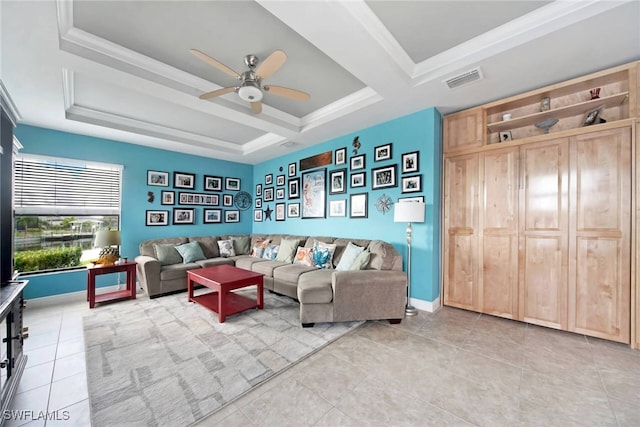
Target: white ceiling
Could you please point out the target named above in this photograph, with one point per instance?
(122, 69)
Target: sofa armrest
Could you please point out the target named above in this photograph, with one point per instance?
(369, 294)
(148, 271)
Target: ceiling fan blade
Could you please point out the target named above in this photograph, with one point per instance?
(215, 63)
(218, 92)
(288, 92)
(270, 65)
(256, 107)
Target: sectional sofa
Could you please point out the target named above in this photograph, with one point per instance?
(375, 290)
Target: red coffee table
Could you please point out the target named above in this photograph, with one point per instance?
(222, 279)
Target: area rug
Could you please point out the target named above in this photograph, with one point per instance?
(168, 362)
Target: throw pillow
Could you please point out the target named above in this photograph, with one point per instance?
(287, 250)
(167, 254)
(241, 244)
(190, 252)
(270, 252)
(362, 261)
(258, 249)
(303, 256)
(226, 248)
(349, 255)
(323, 254)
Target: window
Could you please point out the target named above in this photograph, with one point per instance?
(59, 204)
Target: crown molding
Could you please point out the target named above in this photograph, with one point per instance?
(8, 105)
(350, 103)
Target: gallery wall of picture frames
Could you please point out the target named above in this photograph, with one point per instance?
(222, 199)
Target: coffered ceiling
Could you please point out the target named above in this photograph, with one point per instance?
(122, 69)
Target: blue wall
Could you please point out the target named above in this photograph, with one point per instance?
(419, 131)
(136, 160)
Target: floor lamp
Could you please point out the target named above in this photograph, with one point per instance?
(409, 212)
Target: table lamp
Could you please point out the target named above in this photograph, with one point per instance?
(107, 239)
(409, 212)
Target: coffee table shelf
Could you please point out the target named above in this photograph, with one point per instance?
(234, 303)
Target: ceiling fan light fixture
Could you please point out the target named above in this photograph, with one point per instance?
(250, 92)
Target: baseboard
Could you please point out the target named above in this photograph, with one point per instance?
(70, 297)
(430, 306)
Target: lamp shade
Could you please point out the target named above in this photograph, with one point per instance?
(408, 212)
(105, 238)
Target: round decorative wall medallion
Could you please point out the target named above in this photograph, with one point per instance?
(242, 200)
(384, 204)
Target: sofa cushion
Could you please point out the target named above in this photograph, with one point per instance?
(147, 249)
(242, 244)
(211, 262)
(349, 256)
(209, 245)
(383, 255)
(267, 267)
(323, 254)
(226, 248)
(362, 261)
(247, 262)
(314, 287)
(176, 271)
(167, 253)
(291, 272)
(287, 250)
(190, 252)
(304, 256)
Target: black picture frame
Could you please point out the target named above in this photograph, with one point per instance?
(168, 197)
(294, 188)
(279, 193)
(411, 162)
(338, 207)
(358, 205)
(384, 177)
(358, 180)
(232, 216)
(358, 162)
(184, 180)
(292, 169)
(280, 180)
(232, 184)
(184, 216)
(383, 152)
(158, 178)
(281, 212)
(202, 199)
(267, 195)
(212, 216)
(258, 203)
(337, 181)
(212, 183)
(340, 156)
(293, 210)
(227, 200)
(411, 199)
(258, 190)
(157, 218)
(411, 184)
(268, 179)
(257, 215)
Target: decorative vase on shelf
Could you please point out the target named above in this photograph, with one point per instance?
(546, 124)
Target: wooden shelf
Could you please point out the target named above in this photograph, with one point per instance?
(559, 113)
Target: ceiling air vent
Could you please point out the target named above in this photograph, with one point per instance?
(464, 78)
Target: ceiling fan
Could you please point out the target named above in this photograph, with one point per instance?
(251, 87)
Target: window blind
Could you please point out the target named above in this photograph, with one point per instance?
(65, 187)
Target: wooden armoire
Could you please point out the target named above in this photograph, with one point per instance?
(539, 221)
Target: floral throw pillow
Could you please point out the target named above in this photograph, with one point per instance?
(270, 252)
(226, 248)
(304, 256)
(258, 249)
(323, 254)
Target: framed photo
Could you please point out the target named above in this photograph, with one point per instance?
(212, 183)
(337, 183)
(384, 177)
(257, 215)
(268, 194)
(358, 180)
(358, 205)
(293, 210)
(185, 198)
(227, 200)
(280, 212)
(258, 190)
(268, 179)
(338, 208)
(358, 162)
(292, 169)
(158, 178)
(232, 184)
(212, 216)
(382, 152)
(157, 218)
(340, 156)
(294, 188)
(412, 184)
(280, 180)
(313, 194)
(168, 198)
(258, 203)
(183, 216)
(505, 135)
(410, 162)
(279, 193)
(232, 216)
(184, 180)
(411, 199)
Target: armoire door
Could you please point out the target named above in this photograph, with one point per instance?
(544, 211)
(498, 219)
(600, 235)
(461, 232)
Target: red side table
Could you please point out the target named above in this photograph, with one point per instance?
(130, 292)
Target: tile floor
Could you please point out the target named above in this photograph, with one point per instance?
(449, 368)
